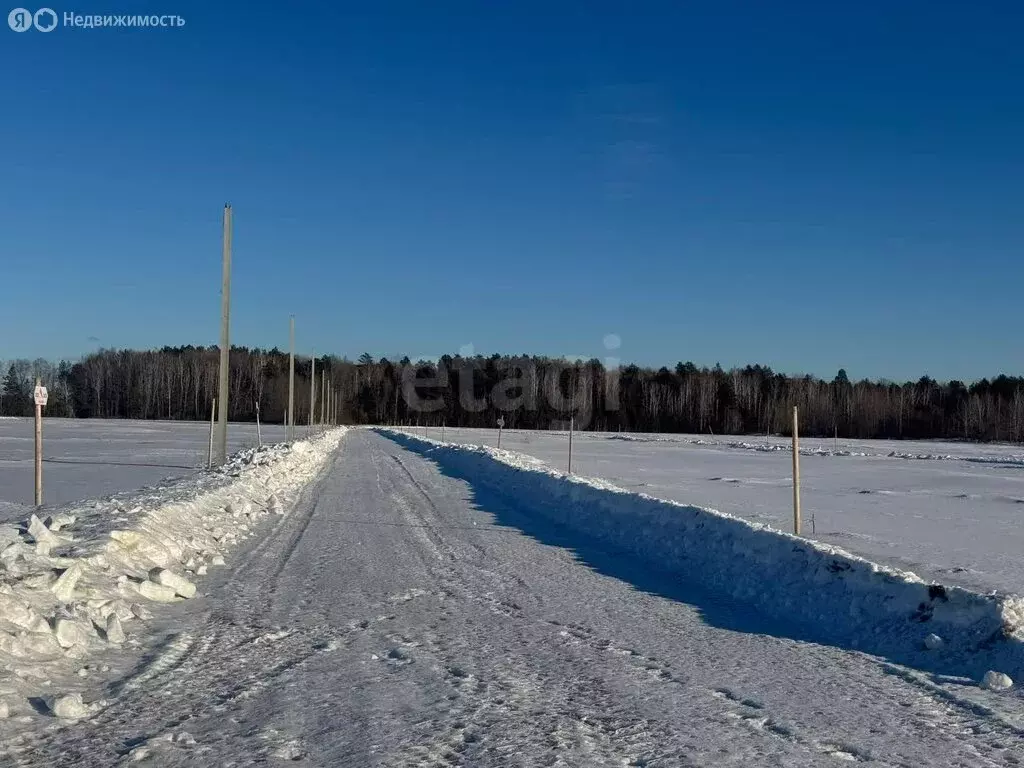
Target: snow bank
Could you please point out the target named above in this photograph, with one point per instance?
(834, 595)
(76, 581)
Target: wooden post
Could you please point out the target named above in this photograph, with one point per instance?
(442, 430)
(572, 416)
(259, 435)
(837, 439)
(39, 447)
(225, 341)
(290, 420)
(323, 397)
(213, 419)
(312, 390)
(571, 422)
(796, 471)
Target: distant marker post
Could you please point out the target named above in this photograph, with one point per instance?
(40, 396)
(796, 471)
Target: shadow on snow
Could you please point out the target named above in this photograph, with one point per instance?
(719, 610)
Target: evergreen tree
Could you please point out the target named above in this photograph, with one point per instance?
(15, 394)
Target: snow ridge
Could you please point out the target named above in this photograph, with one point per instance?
(832, 594)
(78, 581)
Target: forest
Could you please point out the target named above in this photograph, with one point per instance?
(179, 383)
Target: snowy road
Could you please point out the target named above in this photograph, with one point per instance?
(402, 617)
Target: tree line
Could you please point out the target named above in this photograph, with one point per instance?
(179, 383)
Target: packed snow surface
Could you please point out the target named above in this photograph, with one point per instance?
(425, 605)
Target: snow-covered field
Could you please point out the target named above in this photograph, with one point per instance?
(954, 512)
(88, 458)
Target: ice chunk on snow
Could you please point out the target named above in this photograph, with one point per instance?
(933, 642)
(140, 753)
(5, 710)
(68, 632)
(156, 592)
(37, 530)
(996, 681)
(138, 545)
(69, 706)
(64, 589)
(179, 584)
(115, 633)
(19, 613)
(45, 538)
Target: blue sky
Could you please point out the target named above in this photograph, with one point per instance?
(804, 185)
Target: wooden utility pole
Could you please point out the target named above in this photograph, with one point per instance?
(796, 471)
(290, 420)
(312, 390)
(40, 400)
(225, 341)
(323, 396)
(259, 435)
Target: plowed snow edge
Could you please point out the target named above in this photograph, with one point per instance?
(79, 580)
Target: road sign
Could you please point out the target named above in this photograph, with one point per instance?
(41, 395)
(501, 421)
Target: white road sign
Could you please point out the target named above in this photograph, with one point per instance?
(41, 395)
